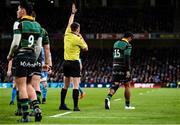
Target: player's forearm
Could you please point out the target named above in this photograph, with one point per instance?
(47, 53)
(50, 59)
(71, 19)
(14, 44)
(9, 65)
(73, 11)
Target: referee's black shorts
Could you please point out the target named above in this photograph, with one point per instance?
(71, 68)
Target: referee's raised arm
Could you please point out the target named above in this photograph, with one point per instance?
(73, 12)
(73, 43)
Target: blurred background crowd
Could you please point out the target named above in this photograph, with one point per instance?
(159, 63)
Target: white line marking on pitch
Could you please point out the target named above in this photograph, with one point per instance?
(58, 115)
(88, 117)
(117, 99)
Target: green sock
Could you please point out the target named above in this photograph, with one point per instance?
(38, 93)
(24, 105)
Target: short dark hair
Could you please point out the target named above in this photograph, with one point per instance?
(128, 34)
(74, 26)
(28, 6)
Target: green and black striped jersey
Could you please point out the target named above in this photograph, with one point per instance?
(45, 37)
(121, 54)
(30, 31)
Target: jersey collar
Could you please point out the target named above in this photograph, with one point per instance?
(126, 40)
(28, 17)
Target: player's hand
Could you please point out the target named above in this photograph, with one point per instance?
(9, 58)
(8, 73)
(128, 74)
(74, 10)
(45, 67)
(50, 71)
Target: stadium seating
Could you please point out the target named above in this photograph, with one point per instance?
(147, 67)
(100, 20)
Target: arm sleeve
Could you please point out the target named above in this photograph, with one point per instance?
(38, 47)
(15, 44)
(45, 38)
(17, 28)
(68, 30)
(82, 43)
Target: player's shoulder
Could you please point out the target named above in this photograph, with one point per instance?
(37, 24)
(16, 25)
(121, 44)
(44, 31)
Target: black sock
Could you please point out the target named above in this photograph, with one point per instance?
(38, 93)
(127, 103)
(35, 104)
(30, 104)
(63, 95)
(24, 105)
(18, 101)
(75, 97)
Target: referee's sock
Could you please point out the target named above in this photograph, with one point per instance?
(63, 95)
(75, 97)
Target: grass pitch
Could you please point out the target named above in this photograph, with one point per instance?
(153, 106)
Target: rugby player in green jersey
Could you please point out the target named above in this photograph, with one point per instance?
(25, 48)
(121, 69)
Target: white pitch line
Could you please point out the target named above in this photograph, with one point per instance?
(117, 99)
(87, 117)
(58, 115)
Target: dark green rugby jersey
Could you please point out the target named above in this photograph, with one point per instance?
(30, 31)
(121, 54)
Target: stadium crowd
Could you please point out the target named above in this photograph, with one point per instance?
(147, 67)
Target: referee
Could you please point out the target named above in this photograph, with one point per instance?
(73, 43)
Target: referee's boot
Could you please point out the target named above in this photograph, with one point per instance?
(64, 107)
(76, 109)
